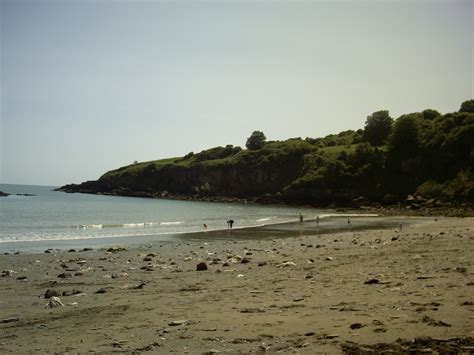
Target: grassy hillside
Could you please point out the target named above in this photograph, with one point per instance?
(423, 153)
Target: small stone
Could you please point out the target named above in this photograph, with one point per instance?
(262, 263)
(51, 293)
(9, 320)
(71, 293)
(6, 273)
(54, 302)
(201, 266)
(101, 290)
(21, 278)
(356, 326)
(371, 282)
(177, 322)
(64, 275)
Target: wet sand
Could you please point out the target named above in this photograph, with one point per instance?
(280, 289)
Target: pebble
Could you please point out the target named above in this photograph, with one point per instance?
(201, 266)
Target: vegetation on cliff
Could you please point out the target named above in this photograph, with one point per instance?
(424, 153)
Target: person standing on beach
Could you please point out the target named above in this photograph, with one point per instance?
(301, 218)
(230, 222)
(317, 220)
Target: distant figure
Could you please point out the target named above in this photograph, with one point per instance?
(400, 227)
(301, 218)
(205, 226)
(348, 221)
(317, 220)
(230, 222)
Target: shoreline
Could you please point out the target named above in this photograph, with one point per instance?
(347, 289)
(330, 223)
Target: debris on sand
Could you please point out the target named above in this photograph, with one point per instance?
(54, 302)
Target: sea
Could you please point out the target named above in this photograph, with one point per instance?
(45, 218)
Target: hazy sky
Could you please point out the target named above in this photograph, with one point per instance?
(88, 86)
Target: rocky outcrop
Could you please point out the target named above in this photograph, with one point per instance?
(3, 194)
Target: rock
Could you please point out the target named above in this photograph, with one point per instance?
(3, 194)
(245, 261)
(262, 263)
(11, 319)
(177, 322)
(6, 273)
(201, 266)
(51, 293)
(54, 302)
(64, 275)
(329, 258)
(371, 282)
(356, 326)
(286, 264)
(116, 249)
(22, 278)
(101, 290)
(71, 293)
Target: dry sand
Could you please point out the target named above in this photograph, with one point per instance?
(328, 293)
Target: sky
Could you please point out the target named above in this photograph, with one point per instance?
(89, 86)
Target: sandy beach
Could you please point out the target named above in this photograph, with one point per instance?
(351, 290)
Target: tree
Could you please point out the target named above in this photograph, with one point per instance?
(430, 114)
(256, 141)
(378, 127)
(405, 139)
(467, 106)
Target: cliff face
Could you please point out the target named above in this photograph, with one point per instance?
(242, 175)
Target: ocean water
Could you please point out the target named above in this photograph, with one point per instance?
(58, 217)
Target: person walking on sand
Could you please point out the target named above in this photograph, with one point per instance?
(317, 220)
(301, 218)
(231, 222)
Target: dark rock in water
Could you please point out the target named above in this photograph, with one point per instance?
(201, 266)
(71, 251)
(48, 251)
(64, 275)
(87, 249)
(3, 194)
(116, 249)
(51, 293)
(101, 290)
(371, 282)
